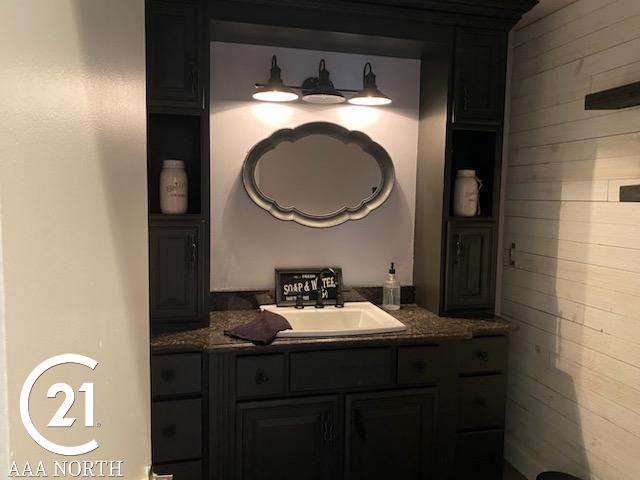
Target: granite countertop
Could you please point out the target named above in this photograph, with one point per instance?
(421, 325)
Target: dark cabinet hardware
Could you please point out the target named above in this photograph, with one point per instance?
(480, 401)
(168, 376)
(328, 432)
(418, 366)
(358, 424)
(258, 375)
(176, 429)
(169, 431)
(261, 377)
(176, 374)
(458, 249)
(193, 250)
(482, 355)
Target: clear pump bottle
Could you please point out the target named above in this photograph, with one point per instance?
(391, 291)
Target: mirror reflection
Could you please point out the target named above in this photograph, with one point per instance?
(318, 175)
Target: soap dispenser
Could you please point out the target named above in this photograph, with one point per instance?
(391, 291)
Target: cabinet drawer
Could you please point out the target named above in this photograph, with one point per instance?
(483, 355)
(481, 402)
(419, 365)
(176, 430)
(181, 471)
(479, 455)
(260, 375)
(176, 374)
(340, 369)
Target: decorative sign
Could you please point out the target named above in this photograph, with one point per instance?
(304, 281)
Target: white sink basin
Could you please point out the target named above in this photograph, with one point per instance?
(356, 318)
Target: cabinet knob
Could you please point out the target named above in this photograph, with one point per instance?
(479, 401)
(169, 431)
(418, 365)
(168, 376)
(261, 376)
(482, 355)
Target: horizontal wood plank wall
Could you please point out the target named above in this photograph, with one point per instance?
(574, 386)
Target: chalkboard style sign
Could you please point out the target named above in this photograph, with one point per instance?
(304, 281)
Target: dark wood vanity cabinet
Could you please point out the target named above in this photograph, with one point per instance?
(174, 53)
(391, 435)
(425, 409)
(177, 273)
(480, 69)
(470, 258)
(288, 439)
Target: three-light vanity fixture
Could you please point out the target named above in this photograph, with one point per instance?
(320, 89)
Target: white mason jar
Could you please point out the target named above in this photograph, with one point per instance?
(173, 187)
(466, 199)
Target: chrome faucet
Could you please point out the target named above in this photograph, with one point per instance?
(320, 277)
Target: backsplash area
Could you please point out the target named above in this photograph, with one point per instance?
(246, 242)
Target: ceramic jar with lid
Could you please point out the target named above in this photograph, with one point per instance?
(173, 188)
(466, 198)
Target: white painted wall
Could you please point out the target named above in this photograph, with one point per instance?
(73, 219)
(247, 242)
(574, 386)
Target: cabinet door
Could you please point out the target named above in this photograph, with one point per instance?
(173, 53)
(479, 76)
(469, 267)
(174, 272)
(390, 435)
(288, 439)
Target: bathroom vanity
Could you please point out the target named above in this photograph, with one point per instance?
(425, 403)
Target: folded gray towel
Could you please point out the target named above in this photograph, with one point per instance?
(261, 331)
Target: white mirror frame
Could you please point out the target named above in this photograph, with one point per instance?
(366, 206)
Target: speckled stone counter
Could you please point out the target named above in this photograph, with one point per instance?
(421, 325)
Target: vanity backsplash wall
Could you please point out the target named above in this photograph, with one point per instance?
(246, 242)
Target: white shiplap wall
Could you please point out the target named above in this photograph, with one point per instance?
(574, 386)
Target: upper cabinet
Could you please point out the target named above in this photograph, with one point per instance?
(480, 69)
(174, 67)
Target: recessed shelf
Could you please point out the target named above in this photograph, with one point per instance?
(475, 150)
(174, 136)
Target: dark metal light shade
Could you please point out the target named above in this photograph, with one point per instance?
(275, 90)
(320, 89)
(370, 95)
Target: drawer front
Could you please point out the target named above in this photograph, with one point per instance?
(481, 402)
(176, 430)
(180, 471)
(340, 369)
(419, 365)
(260, 375)
(483, 355)
(176, 374)
(479, 455)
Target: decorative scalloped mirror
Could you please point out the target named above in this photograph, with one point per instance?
(318, 174)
